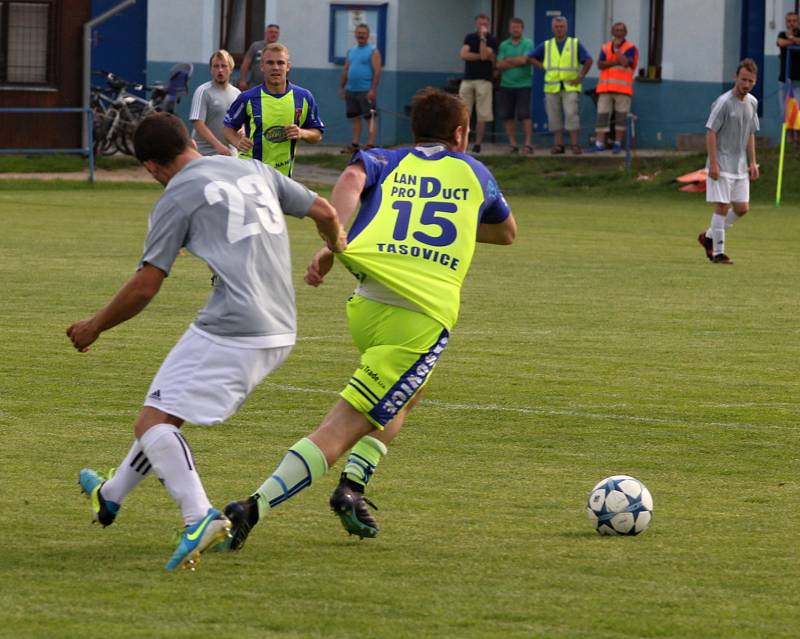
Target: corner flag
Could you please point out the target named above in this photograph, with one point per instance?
(792, 107)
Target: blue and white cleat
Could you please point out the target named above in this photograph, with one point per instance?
(90, 482)
(211, 530)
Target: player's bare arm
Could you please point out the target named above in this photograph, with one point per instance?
(237, 139)
(711, 148)
(345, 199)
(330, 229)
(206, 133)
(311, 136)
(129, 301)
(503, 233)
(753, 168)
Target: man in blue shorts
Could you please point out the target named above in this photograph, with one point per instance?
(358, 86)
(421, 211)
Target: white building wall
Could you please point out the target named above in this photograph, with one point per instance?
(697, 44)
(431, 33)
(308, 38)
(182, 30)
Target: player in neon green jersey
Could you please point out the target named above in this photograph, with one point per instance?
(422, 210)
(275, 115)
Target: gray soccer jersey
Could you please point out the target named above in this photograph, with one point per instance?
(210, 104)
(229, 213)
(734, 121)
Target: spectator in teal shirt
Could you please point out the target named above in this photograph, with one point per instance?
(516, 74)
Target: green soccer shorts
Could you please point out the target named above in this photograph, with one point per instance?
(399, 349)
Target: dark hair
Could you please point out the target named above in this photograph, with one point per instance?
(363, 25)
(436, 114)
(276, 26)
(517, 21)
(484, 16)
(748, 64)
(160, 137)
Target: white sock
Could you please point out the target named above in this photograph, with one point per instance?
(131, 471)
(718, 233)
(730, 218)
(173, 463)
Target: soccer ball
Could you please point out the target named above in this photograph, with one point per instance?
(620, 505)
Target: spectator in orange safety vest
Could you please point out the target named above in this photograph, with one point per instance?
(617, 63)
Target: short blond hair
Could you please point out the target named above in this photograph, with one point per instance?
(276, 47)
(222, 53)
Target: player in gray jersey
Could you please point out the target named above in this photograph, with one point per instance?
(210, 103)
(230, 214)
(731, 144)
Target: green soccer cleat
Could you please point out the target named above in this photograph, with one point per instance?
(211, 530)
(90, 482)
(350, 505)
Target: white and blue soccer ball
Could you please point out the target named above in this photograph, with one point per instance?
(620, 505)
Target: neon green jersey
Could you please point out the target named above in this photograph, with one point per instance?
(265, 117)
(416, 230)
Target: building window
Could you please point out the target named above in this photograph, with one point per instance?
(26, 38)
(656, 33)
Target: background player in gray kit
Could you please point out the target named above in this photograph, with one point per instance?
(210, 103)
(731, 144)
(230, 214)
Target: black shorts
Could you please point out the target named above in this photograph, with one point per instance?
(357, 104)
(515, 102)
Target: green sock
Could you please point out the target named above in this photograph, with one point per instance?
(363, 459)
(300, 467)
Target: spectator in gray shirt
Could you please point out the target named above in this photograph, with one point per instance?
(210, 103)
(251, 74)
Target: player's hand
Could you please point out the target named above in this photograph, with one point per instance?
(341, 93)
(754, 171)
(371, 97)
(244, 144)
(294, 132)
(713, 172)
(575, 81)
(243, 85)
(223, 150)
(341, 242)
(83, 334)
(320, 266)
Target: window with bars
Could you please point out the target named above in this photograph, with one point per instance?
(26, 37)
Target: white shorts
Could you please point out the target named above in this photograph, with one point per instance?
(204, 383)
(727, 190)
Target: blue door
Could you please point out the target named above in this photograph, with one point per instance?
(543, 13)
(119, 44)
(752, 43)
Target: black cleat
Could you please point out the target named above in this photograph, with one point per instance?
(243, 516)
(721, 259)
(708, 244)
(350, 505)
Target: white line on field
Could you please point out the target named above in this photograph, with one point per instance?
(528, 410)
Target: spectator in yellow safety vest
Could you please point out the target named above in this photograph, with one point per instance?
(565, 62)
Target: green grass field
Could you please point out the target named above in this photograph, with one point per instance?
(602, 342)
